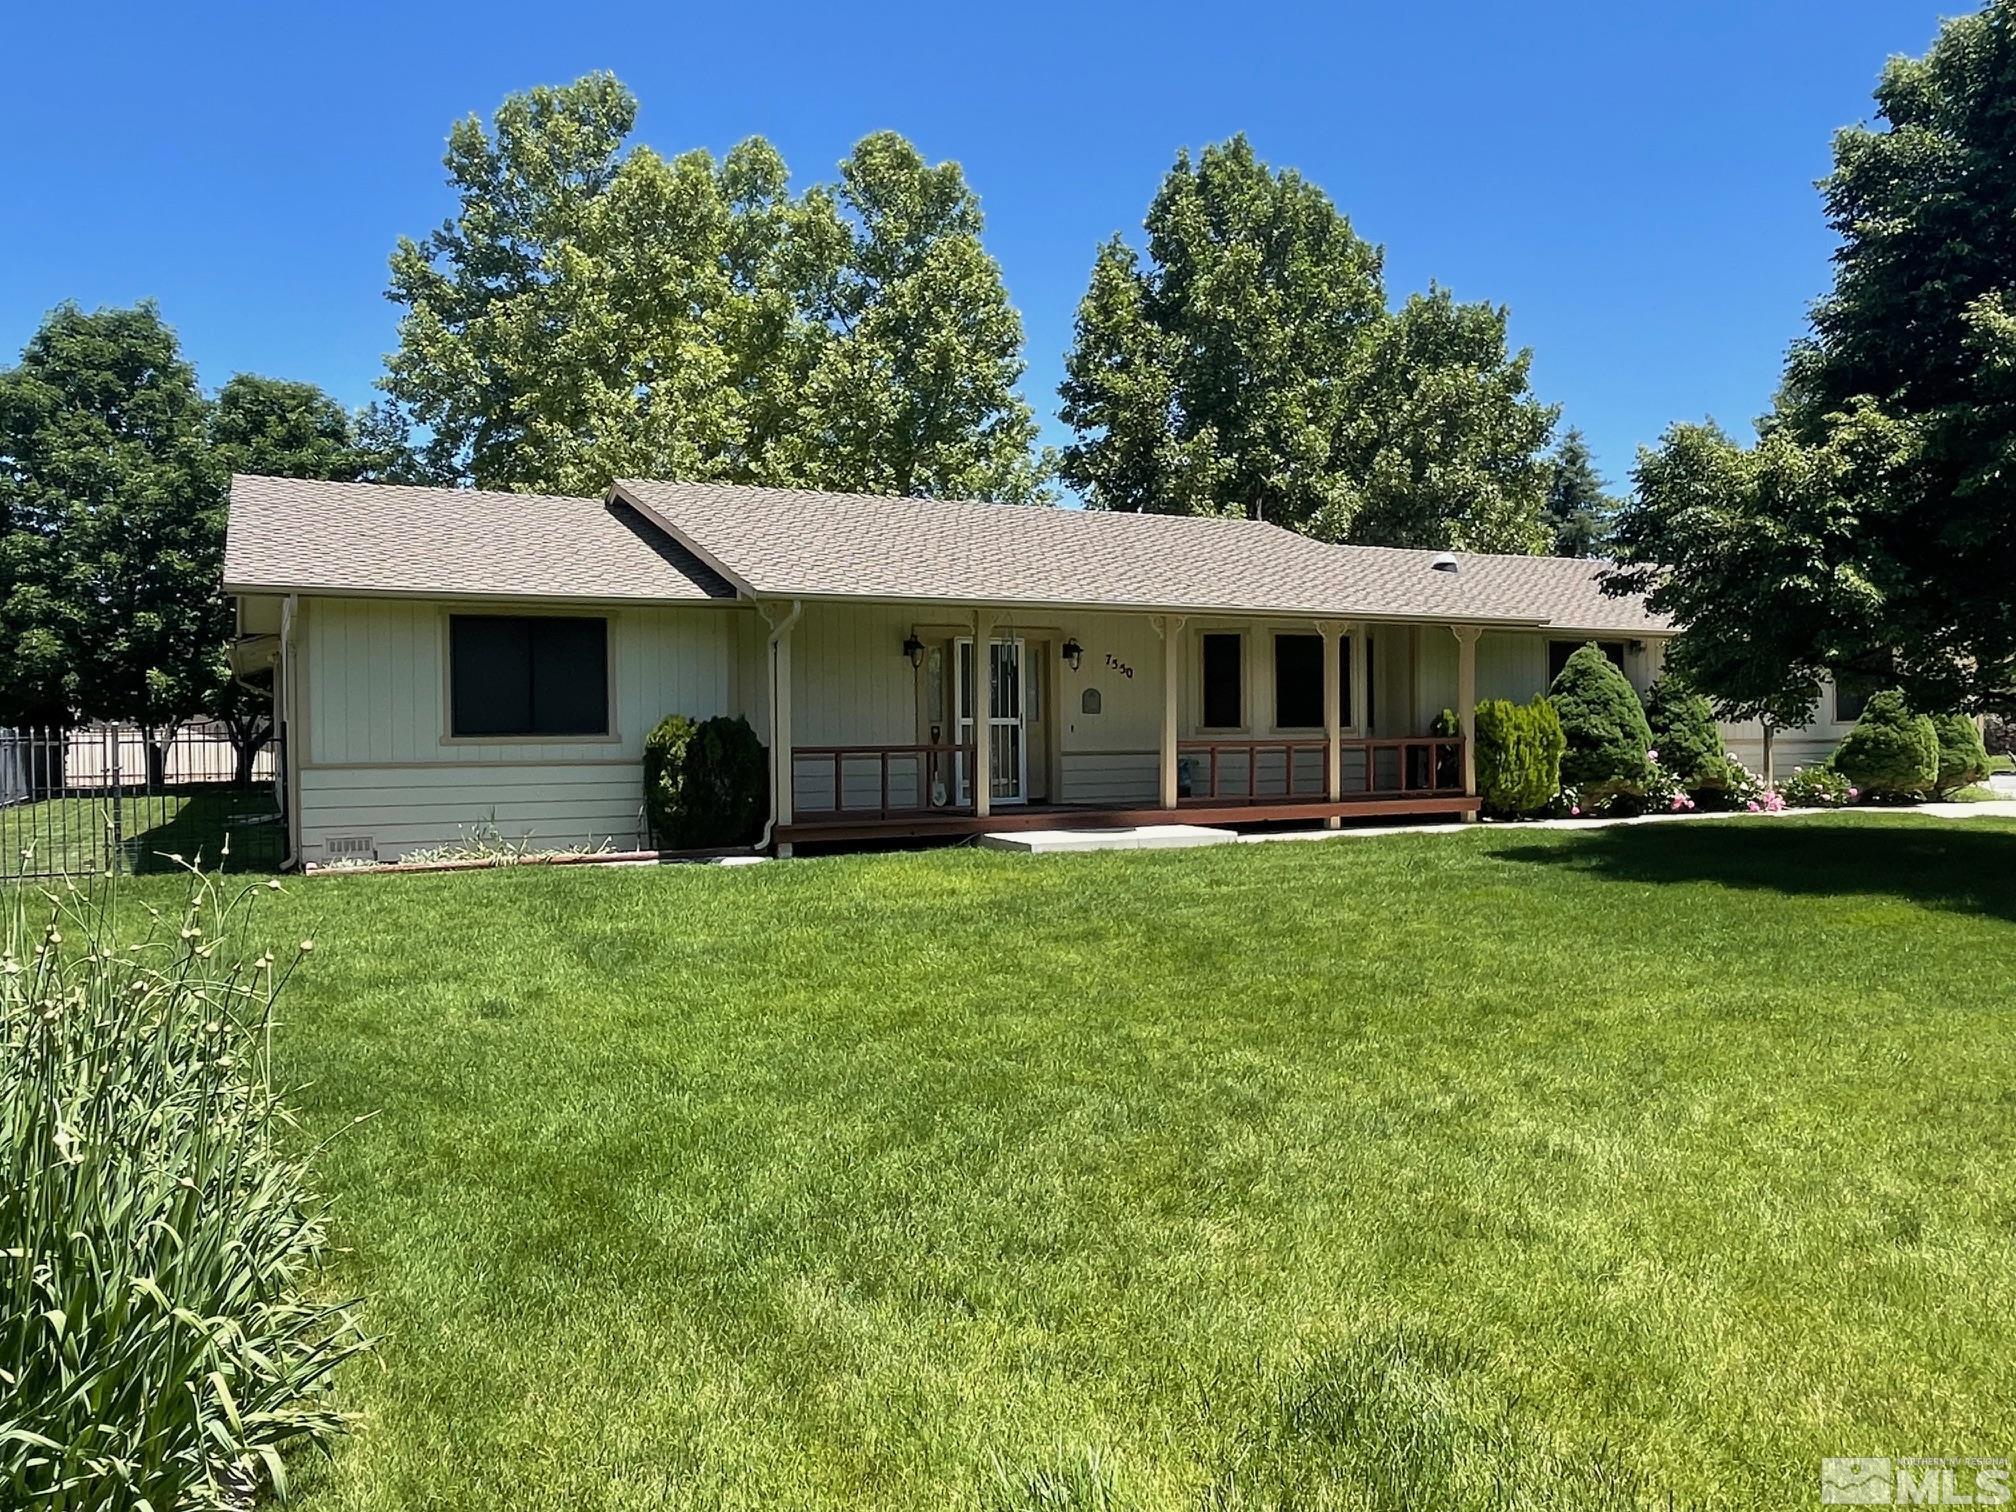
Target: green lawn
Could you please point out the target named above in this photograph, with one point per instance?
(1512, 1169)
(75, 835)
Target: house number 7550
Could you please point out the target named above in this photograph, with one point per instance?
(1118, 665)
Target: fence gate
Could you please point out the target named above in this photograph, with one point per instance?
(124, 798)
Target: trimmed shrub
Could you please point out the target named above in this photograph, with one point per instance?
(1605, 728)
(1817, 787)
(1963, 759)
(1686, 736)
(1891, 752)
(706, 784)
(160, 1239)
(1519, 750)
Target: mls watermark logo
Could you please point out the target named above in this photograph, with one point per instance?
(1914, 1481)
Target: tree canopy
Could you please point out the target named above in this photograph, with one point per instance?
(1895, 429)
(1248, 363)
(594, 311)
(113, 469)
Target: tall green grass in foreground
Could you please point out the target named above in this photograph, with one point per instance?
(158, 1232)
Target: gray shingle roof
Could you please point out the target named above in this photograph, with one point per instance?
(295, 536)
(788, 543)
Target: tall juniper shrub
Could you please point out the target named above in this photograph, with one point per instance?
(161, 1341)
(1963, 758)
(1891, 753)
(1605, 728)
(1519, 750)
(1687, 738)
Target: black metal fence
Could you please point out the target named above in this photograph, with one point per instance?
(99, 798)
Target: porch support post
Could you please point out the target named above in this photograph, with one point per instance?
(1466, 698)
(1333, 717)
(1361, 689)
(782, 621)
(1171, 626)
(983, 713)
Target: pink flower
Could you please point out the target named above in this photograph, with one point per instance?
(1854, 792)
(1576, 811)
(1752, 806)
(1651, 755)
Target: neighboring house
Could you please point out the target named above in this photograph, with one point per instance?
(449, 658)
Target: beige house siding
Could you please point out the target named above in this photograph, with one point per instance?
(376, 760)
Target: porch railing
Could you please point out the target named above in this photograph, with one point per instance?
(1294, 771)
(878, 781)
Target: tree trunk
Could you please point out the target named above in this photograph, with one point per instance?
(156, 740)
(1770, 767)
(248, 744)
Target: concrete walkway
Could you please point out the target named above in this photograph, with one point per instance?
(1179, 836)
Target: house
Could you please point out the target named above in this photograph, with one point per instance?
(449, 658)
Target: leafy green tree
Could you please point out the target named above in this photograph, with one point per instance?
(286, 430)
(593, 311)
(912, 390)
(1444, 439)
(1248, 364)
(1578, 512)
(1753, 552)
(113, 504)
(1910, 371)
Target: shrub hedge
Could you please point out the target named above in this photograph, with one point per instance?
(1605, 727)
(1891, 752)
(706, 784)
(1686, 736)
(1519, 750)
(1963, 758)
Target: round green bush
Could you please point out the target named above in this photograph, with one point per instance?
(1605, 727)
(706, 784)
(1891, 752)
(1686, 736)
(1519, 750)
(1963, 757)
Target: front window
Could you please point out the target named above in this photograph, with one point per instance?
(1559, 651)
(527, 675)
(1224, 688)
(1298, 682)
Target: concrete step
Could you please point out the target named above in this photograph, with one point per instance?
(1138, 837)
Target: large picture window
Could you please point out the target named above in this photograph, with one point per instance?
(527, 675)
(1224, 690)
(1298, 682)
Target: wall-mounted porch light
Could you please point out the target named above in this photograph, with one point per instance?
(914, 649)
(1074, 653)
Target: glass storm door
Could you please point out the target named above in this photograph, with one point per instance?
(1006, 733)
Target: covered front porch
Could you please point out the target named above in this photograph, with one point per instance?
(900, 722)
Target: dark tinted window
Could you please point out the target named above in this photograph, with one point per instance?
(1298, 682)
(528, 675)
(1559, 651)
(1224, 703)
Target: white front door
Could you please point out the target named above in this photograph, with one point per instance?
(1006, 734)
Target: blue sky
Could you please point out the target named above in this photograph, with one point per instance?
(1634, 181)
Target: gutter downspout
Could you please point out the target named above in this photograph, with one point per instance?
(283, 694)
(778, 630)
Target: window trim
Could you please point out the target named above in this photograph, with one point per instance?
(1203, 689)
(445, 631)
(1834, 700)
(1600, 642)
